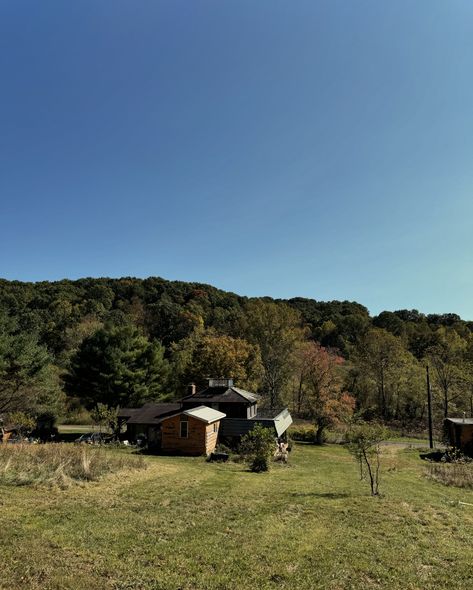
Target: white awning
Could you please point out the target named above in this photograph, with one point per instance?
(205, 414)
(282, 421)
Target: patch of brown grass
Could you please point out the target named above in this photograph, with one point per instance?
(459, 475)
(60, 464)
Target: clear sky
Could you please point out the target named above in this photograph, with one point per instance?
(315, 148)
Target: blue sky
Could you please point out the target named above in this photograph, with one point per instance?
(315, 148)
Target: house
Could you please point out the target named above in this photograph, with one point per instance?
(221, 411)
(460, 434)
(241, 409)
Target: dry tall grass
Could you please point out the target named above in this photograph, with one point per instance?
(459, 475)
(59, 464)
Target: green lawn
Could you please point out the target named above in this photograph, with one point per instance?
(76, 428)
(186, 524)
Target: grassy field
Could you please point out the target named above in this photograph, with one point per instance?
(189, 525)
(77, 428)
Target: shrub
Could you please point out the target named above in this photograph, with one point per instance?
(78, 417)
(59, 464)
(454, 455)
(302, 433)
(22, 421)
(221, 448)
(257, 447)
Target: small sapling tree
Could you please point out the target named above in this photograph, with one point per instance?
(258, 447)
(363, 442)
(106, 417)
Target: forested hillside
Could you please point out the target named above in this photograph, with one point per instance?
(69, 344)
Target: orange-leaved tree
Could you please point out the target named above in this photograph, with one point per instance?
(320, 396)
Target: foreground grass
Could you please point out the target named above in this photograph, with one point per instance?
(189, 525)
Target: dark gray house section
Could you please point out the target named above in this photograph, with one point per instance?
(241, 409)
(278, 420)
(222, 395)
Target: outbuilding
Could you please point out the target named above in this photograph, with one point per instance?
(460, 434)
(191, 432)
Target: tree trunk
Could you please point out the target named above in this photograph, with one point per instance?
(383, 395)
(319, 435)
(373, 478)
(299, 397)
(445, 402)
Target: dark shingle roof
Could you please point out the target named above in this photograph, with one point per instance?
(268, 413)
(151, 413)
(222, 394)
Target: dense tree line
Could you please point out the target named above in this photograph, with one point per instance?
(125, 341)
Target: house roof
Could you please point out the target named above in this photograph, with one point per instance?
(222, 394)
(460, 420)
(280, 418)
(150, 413)
(205, 414)
(268, 413)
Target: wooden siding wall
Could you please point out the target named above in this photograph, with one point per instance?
(211, 437)
(460, 435)
(201, 439)
(466, 434)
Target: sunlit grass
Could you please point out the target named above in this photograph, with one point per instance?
(190, 525)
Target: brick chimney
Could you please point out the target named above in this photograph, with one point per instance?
(191, 389)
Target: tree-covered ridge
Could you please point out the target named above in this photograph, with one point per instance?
(127, 340)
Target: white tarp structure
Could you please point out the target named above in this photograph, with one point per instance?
(282, 422)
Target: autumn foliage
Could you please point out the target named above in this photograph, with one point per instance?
(319, 395)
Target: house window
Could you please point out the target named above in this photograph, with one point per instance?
(215, 426)
(184, 429)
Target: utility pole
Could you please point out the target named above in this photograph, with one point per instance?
(429, 407)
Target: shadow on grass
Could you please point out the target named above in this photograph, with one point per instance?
(327, 495)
